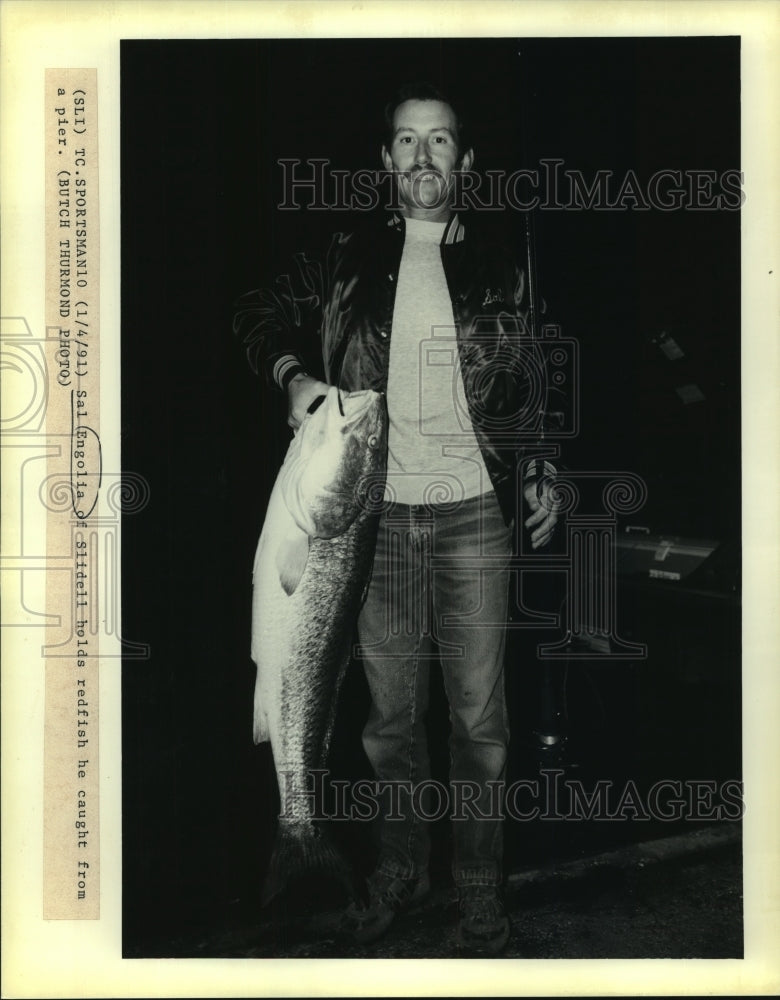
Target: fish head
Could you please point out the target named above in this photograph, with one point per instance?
(362, 422)
(364, 456)
(342, 452)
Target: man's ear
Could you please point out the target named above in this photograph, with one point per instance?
(467, 160)
(386, 159)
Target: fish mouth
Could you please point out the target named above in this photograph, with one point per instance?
(357, 404)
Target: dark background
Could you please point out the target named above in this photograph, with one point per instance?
(203, 124)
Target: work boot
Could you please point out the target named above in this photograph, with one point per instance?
(483, 928)
(387, 897)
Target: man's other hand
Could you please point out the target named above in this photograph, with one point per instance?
(544, 516)
(301, 393)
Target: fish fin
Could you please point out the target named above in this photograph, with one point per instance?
(261, 733)
(301, 849)
(291, 559)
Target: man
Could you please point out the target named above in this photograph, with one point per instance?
(422, 309)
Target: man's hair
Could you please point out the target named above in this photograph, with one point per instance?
(422, 90)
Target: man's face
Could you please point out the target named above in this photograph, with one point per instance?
(423, 154)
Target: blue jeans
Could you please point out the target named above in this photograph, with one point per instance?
(440, 577)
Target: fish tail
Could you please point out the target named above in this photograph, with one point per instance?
(301, 850)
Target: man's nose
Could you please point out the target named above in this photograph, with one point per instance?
(423, 152)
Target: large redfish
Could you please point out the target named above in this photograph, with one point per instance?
(311, 571)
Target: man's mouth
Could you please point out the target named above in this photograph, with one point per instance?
(418, 176)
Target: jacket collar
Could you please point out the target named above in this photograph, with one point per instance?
(454, 231)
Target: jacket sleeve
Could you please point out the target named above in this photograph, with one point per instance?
(279, 325)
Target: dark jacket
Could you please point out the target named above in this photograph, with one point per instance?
(345, 307)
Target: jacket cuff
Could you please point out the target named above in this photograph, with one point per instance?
(285, 368)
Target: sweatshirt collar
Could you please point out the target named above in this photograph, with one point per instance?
(453, 232)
